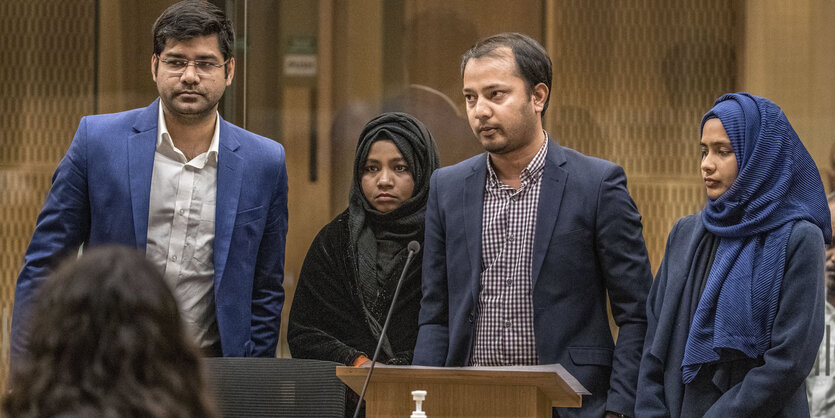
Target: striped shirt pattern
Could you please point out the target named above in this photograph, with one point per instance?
(504, 330)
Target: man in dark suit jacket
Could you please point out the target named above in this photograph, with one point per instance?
(523, 243)
(205, 199)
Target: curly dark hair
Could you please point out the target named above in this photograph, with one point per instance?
(106, 339)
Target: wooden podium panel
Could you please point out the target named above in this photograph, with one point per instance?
(523, 391)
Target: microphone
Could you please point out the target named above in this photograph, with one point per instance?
(413, 247)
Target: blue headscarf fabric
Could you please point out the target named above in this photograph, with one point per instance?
(777, 185)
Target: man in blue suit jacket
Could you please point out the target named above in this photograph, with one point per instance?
(578, 238)
(207, 200)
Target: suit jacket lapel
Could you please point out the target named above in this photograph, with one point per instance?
(550, 197)
(473, 214)
(142, 145)
(229, 178)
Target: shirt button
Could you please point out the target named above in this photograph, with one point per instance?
(507, 324)
(509, 282)
(182, 211)
(510, 237)
(173, 258)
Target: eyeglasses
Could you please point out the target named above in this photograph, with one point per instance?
(205, 69)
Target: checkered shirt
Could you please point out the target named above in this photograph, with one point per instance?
(504, 330)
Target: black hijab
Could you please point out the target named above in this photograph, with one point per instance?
(415, 142)
(378, 239)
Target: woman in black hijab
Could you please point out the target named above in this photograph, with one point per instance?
(351, 269)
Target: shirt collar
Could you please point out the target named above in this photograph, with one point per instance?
(166, 145)
(531, 172)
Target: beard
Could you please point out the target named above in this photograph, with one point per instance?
(189, 103)
(508, 138)
(192, 109)
(496, 143)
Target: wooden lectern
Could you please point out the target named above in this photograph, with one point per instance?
(520, 391)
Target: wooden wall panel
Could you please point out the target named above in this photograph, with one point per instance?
(789, 58)
(631, 82)
(47, 80)
(125, 49)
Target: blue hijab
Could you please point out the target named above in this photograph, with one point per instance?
(777, 185)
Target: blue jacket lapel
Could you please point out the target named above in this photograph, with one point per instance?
(550, 197)
(142, 145)
(473, 214)
(229, 178)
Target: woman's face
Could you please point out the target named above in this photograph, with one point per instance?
(386, 177)
(718, 159)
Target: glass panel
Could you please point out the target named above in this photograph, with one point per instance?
(47, 81)
(631, 81)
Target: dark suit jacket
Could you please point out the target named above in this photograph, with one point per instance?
(100, 195)
(772, 385)
(588, 241)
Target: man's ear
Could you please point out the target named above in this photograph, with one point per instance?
(539, 96)
(230, 71)
(154, 66)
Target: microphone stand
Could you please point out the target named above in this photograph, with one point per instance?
(414, 247)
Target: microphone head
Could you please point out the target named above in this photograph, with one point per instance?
(414, 246)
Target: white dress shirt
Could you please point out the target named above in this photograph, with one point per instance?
(820, 385)
(181, 229)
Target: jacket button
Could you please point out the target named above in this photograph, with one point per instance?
(470, 318)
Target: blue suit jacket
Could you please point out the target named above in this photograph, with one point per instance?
(588, 241)
(100, 195)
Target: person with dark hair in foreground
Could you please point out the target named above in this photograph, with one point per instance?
(735, 314)
(204, 199)
(106, 340)
(525, 243)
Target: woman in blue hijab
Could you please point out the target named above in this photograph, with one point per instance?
(735, 314)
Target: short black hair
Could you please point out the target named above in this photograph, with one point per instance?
(189, 19)
(532, 61)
